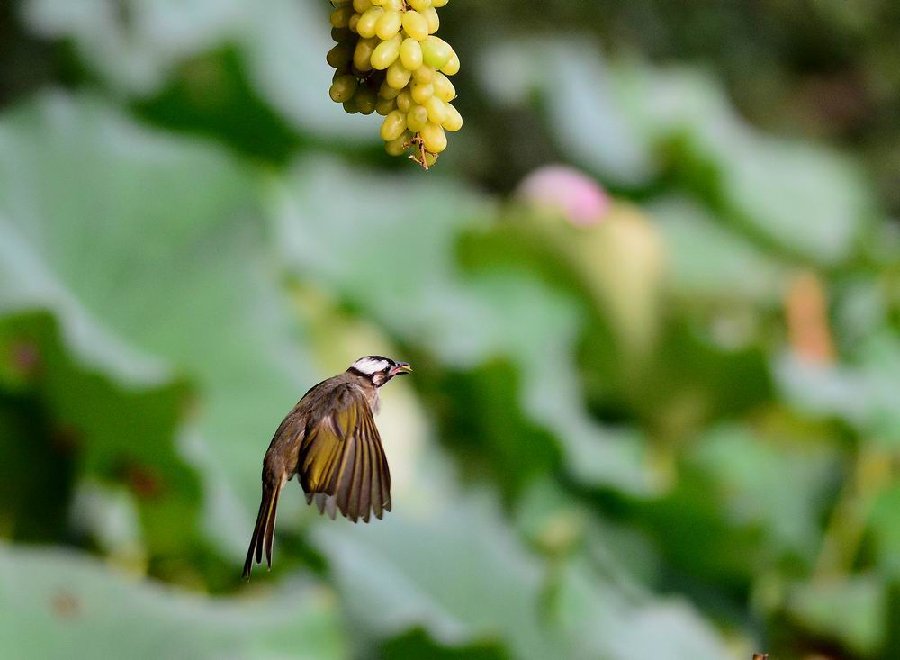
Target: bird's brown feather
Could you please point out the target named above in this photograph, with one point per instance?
(343, 458)
(330, 440)
(264, 531)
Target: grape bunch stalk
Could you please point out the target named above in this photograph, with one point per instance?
(388, 60)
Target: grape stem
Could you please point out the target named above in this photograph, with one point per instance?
(421, 157)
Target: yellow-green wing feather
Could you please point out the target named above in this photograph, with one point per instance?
(341, 457)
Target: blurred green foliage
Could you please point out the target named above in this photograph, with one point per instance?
(672, 434)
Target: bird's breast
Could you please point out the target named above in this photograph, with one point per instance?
(373, 400)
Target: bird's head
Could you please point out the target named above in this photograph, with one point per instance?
(379, 369)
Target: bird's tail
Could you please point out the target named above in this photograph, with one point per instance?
(264, 533)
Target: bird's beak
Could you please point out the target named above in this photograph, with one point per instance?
(401, 368)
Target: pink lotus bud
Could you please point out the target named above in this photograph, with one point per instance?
(567, 191)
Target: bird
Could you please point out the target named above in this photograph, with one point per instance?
(329, 439)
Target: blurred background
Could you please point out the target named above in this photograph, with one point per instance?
(651, 294)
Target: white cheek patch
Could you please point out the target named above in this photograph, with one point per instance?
(370, 365)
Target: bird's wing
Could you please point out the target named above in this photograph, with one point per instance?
(342, 462)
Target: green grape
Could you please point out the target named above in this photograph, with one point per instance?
(404, 101)
(365, 27)
(362, 55)
(342, 88)
(385, 106)
(340, 56)
(454, 120)
(436, 52)
(340, 17)
(365, 101)
(421, 93)
(431, 19)
(443, 88)
(452, 65)
(393, 126)
(388, 25)
(397, 76)
(415, 25)
(387, 61)
(437, 110)
(417, 117)
(399, 146)
(386, 53)
(410, 54)
(433, 138)
(342, 34)
(423, 75)
(350, 106)
(388, 92)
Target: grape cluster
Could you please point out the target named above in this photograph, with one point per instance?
(388, 60)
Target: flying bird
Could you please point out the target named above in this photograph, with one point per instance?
(330, 440)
